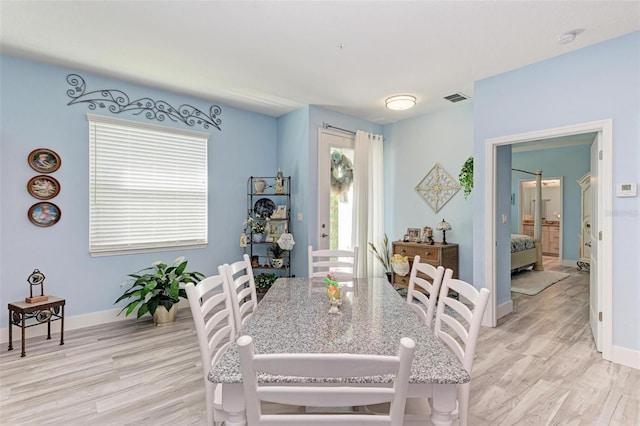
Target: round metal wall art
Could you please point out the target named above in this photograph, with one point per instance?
(44, 160)
(43, 187)
(44, 214)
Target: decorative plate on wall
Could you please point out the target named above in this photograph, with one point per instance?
(264, 208)
(437, 187)
(44, 160)
(44, 214)
(43, 187)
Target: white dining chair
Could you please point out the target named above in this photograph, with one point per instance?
(244, 297)
(215, 327)
(422, 291)
(342, 264)
(330, 394)
(457, 325)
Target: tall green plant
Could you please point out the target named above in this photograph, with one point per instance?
(383, 254)
(157, 285)
(466, 176)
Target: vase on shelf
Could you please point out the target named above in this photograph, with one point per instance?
(277, 263)
(257, 238)
(259, 185)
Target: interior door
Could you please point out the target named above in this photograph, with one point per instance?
(335, 207)
(595, 298)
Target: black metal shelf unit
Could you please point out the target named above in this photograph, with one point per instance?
(269, 202)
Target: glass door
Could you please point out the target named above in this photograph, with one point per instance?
(335, 190)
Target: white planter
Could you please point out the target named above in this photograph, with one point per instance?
(259, 185)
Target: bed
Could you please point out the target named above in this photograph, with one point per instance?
(523, 251)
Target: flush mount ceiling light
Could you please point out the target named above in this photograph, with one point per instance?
(400, 102)
(569, 36)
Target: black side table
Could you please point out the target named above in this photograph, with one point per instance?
(25, 315)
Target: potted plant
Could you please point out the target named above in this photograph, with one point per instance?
(276, 251)
(466, 177)
(383, 254)
(156, 290)
(264, 281)
(257, 226)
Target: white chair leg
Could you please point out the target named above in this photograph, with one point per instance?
(463, 403)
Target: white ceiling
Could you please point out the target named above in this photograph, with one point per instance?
(273, 56)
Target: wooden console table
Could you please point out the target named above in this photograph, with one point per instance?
(437, 254)
(25, 315)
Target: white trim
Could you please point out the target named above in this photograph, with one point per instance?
(74, 323)
(605, 185)
(147, 126)
(504, 309)
(626, 357)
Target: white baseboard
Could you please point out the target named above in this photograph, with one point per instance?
(626, 357)
(73, 323)
(504, 309)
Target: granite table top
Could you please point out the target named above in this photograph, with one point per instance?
(294, 317)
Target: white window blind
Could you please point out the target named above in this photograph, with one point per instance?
(148, 187)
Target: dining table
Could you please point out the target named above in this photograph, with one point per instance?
(294, 317)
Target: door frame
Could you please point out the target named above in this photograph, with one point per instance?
(604, 277)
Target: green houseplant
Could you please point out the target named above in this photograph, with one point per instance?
(264, 281)
(466, 177)
(157, 287)
(257, 227)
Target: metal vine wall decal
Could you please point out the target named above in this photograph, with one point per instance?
(117, 101)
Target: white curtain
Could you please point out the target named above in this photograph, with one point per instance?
(368, 217)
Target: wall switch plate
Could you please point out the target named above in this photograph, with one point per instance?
(626, 190)
(299, 217)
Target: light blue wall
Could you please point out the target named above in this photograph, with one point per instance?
(590, 84)
(293, 155)
(570, 163)
(34, 113)
(411, 148)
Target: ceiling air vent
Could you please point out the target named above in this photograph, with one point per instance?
(456, 97)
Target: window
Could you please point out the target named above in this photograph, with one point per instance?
(147, 188)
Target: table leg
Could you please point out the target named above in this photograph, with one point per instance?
(22, 324)
(444, 402)
(49, 329)
(233, 404)
(10, 332)
(62, 327)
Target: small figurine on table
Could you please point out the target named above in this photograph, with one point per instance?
(333, 294)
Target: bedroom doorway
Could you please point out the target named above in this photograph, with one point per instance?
(602, 268)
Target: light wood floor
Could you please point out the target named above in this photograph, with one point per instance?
(538, 367)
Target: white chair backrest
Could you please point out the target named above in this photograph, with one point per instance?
(343, 264)
(418, 286)
(215, 327)
(458, 326)
(243, 289)
(324, 365)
